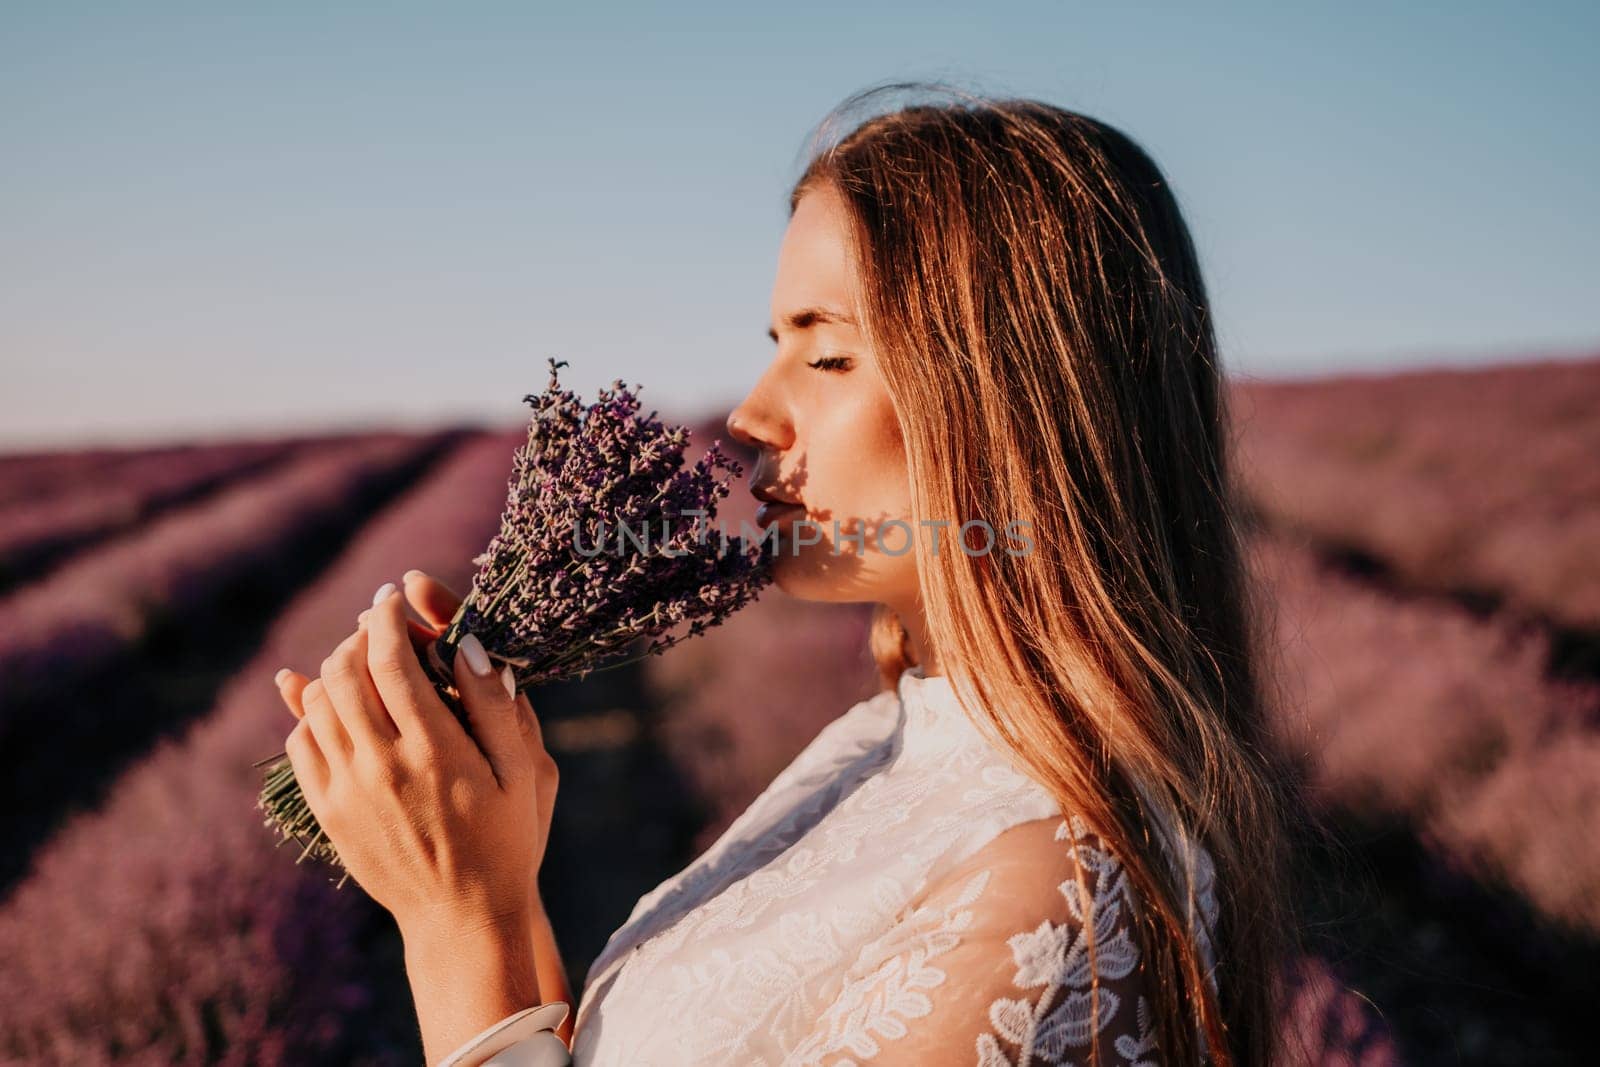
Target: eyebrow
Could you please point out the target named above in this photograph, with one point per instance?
(806, 318)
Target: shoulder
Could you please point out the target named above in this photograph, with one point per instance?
(1047, 870)
(1024, 952)
(1058, 877)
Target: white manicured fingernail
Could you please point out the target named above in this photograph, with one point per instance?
(509, 677)
(278, 678)
(477, 658)
(383, 590)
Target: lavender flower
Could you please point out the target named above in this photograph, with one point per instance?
(604, 543)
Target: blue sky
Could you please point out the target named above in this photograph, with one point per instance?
(227, 218)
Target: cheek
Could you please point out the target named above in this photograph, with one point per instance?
(860, 464)
(856, 476)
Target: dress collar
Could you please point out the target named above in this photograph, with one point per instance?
(932, 715)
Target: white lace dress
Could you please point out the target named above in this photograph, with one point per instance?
(899, 894)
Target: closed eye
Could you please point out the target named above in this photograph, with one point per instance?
(831, 363)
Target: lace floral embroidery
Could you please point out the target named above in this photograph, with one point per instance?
(1140, 1051)
(1052, 958)
(1056, 956)
(878, 1005)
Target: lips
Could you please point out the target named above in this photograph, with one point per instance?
(773, 507)
(761, 492)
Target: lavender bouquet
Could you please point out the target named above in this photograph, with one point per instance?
(554, 594)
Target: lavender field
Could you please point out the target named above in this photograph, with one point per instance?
(1428, 541)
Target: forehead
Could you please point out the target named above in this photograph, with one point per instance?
(814, 262)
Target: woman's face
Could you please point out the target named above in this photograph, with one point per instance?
(826, 433)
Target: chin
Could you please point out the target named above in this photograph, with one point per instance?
(817, 574)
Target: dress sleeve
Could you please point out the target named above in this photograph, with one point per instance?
(524, 1039)
(992, 966)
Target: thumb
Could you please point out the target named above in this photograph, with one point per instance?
(491, 708)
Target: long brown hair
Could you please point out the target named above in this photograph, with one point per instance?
(1034, 302)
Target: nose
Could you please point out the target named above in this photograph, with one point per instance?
(736, 430)
(756, 426)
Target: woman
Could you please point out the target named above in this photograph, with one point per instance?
(995, 411)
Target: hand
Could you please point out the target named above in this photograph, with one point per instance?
(444, 834)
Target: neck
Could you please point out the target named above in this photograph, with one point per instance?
(916, 624)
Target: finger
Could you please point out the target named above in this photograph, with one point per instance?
(305, 756)
(397, 673)
(290, 685)
(354, 697)
(324, 722)
(421, 635)
(533, 730)
(432, 599)
(491, 709)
